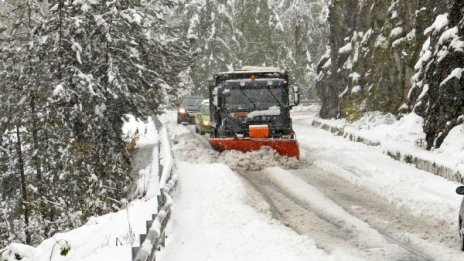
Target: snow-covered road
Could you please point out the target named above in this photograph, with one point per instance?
(342, 201)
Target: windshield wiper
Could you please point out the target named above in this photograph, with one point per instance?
(275, 98)
(244, 94)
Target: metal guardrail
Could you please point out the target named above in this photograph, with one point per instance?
(155, 237)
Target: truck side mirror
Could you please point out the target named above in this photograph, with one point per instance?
(216, 101)
(296, 95)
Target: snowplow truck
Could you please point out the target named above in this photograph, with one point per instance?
(250, 109)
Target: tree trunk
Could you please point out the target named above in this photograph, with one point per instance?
(25, 201)
(38, 163)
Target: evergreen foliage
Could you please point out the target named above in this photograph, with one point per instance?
(395, 56)
(228, 34)
(71, 70)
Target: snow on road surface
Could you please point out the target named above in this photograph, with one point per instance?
(213, 218)
(348, 199)
(305, 192)
(212, 221)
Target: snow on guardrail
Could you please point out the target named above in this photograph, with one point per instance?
(155, 236)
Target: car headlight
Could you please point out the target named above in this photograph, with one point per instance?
(206, 123)
(182, 111)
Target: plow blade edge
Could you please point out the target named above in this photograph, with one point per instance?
(285, 147)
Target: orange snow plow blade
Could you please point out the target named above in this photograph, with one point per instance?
(284, 147)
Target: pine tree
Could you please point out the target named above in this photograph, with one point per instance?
(71, 71)
(229, 34)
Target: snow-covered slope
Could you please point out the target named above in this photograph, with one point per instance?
(404, 140)
(108, 237)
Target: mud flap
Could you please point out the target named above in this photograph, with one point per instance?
(284, 147)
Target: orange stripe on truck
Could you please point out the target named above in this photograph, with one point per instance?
(258, 131)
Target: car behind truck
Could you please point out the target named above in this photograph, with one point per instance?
(188, 109)
(250, 108)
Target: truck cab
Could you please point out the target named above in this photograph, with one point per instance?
(252, 104)
(257, 97)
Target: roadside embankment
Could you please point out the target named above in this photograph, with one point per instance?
(403, 140)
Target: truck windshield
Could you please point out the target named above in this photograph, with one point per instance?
(253, 99)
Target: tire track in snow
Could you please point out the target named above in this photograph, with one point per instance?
(330, 234)
(329, 230)
(318, 200)
(325, 234)
(419, 234)
(435, 236)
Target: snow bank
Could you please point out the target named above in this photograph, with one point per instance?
(108, 237)
(403, 140)
(383, 128)
(18, 252)
(378, 128)
(166, 156)
(143, 132)
(453, 146)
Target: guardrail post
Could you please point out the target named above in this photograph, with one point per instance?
(149, 223)
(160, 203)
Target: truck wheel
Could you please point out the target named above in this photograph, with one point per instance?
(196, 130)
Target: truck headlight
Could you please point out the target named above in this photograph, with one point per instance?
(182, 111)
(206, 123)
